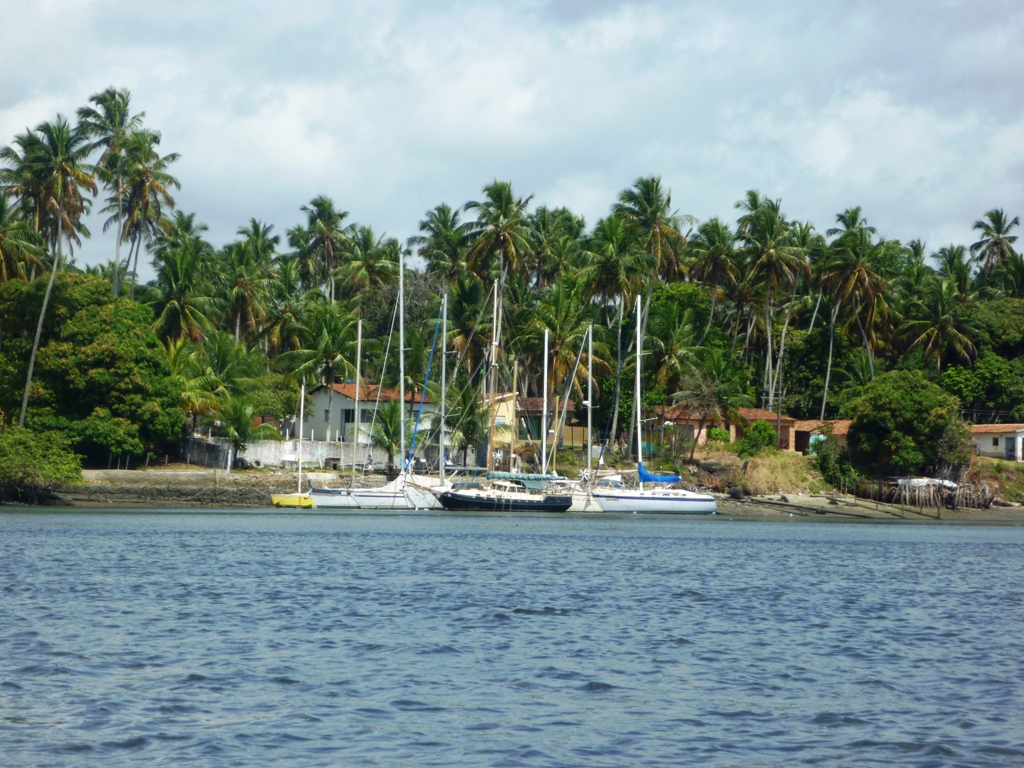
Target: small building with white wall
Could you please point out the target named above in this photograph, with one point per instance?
(332, 416)
(999, 441)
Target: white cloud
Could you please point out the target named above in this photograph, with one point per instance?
(912, 111)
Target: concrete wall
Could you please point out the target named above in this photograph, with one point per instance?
(315, 453)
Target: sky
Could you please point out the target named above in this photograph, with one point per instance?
(913, 110)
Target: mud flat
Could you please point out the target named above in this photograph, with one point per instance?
(187, 488)
(821, 506)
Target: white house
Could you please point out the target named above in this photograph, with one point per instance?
(999, 441)
(333, 417)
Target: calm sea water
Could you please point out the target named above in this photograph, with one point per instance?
(238, 640)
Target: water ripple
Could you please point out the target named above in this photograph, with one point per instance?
(507, 641)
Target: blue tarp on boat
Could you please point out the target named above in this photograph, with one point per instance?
(647, 477)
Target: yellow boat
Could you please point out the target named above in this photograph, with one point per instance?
(294, 500)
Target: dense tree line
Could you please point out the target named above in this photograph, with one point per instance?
(751, 309)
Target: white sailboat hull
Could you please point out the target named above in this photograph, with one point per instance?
(584, 503)
(399, 494)
(668, 502)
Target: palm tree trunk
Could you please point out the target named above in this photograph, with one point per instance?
(768, 343)
(867, 347)
(618, 374)
(782, 349)
(42, 315)
(711, 315)
(828, 368)
(814, 315)
(117, 248)
(135, 269)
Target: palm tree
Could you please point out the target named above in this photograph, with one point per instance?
(144, 183)
(469, 325)
(716, 392)
(371, 262)
(646, 209)
(996, 243)
(852, 279)
(556, 234)
(617, 270)
(387, 431)
(715, 260)
(938, 324)
(246, 277)
(50, 172)
(445, 243)
(674, 345)
(237, 415)
(225, 367)
(109, 123)
(195, 385)
(501, 229)
(776, 262)
(319, 243)
(562, 311)
(467, 419)
(19, 246)
(182, 260)
(954, 265)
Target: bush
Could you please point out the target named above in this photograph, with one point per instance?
(718, 435)
(757, 439)
(33, 462)
(833, 462)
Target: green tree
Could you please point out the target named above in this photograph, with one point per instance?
(899, 422)
(105, 383)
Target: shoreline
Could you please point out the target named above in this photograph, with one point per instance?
(217, 491)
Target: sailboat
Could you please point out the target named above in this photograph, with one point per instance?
(407, 491)
(612, 497)
(511, 495)
(297, 500)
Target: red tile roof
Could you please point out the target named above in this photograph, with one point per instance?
(760, 414)
(839, 426)
(369, 392)
(996, 429)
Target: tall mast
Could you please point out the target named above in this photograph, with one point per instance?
(401, 353)
(302, 418)
(494, 379)
(515, 424)
(544, 414)
(639, 417)
(590, 398)
(444, 382)
(355, 429)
